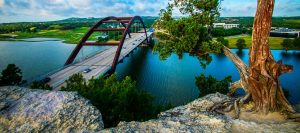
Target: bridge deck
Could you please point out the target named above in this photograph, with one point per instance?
(99, 63)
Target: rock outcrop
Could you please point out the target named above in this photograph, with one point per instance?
(27, 110)
(195, 117)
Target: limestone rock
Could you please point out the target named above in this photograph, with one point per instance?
(26, 110)
(195, 117)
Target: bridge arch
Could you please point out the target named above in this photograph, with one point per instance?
(126, 22)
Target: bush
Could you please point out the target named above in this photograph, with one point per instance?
(12, 75)
(225, 42)
(240, 44)
(117, 100)
(207, 85)
(296, 42)
(38, 85)
(287, 44)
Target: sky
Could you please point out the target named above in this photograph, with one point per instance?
(47, 10)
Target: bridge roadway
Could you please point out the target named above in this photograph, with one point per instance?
(99, 64)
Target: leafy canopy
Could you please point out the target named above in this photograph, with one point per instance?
(223, 41)
(240, 43)
(118, 100)
(12, 75)
(187, 34)
(209, 84)
(287, 44)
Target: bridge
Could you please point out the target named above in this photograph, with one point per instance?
(133, 34)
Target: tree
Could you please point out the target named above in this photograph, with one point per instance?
(263, 81)
(39, 85)
(260, 80)
(287, 44)
(240, 44)
(118, 100)
(296, 42)
(209, 84)
(223, 41)
(12, 75)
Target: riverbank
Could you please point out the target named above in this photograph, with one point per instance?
(74, 36)
(68, 36)
(274, 42)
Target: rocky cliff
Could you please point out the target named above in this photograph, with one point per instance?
(26, 110)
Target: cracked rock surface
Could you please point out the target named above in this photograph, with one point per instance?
(27, 110)
(195, 118)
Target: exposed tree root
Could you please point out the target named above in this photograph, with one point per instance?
(245, 83)
(229, 105)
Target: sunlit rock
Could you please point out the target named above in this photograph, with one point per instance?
(26, 110)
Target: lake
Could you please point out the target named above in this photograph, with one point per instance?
(170, 81)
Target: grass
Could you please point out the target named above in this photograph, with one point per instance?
(74, 36)
(292, 21)
(274, 42)
(69, 36)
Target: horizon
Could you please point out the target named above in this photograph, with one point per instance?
(43, 11)
(126, 16)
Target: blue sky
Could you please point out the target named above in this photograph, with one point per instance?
(45, 10)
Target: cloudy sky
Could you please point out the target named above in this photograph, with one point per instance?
(45, 10)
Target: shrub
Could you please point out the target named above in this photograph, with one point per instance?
(240, 44)
(207, 85)
(12, 75)
(118, 100)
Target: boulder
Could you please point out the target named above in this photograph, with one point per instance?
(28, 110)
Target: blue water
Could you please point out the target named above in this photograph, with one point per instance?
(170, 81)
(173, 80)
(39, 56)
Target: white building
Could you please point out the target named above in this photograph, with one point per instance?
(226, 26)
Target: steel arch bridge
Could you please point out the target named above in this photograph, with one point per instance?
(128, 26)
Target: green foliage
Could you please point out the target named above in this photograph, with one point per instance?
(117, 100)
(288, 22)
(223, 41)
(207, 85)
(12, 75)
(188, 34)
(296, 42)
(38, 85)
(219, 32)
(33, 29)
(240, 44)
(287, 44)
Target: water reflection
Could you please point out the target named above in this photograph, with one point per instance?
(173, 80)
(240, 53)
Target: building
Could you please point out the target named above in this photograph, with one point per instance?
(225, 26)
(284, 32)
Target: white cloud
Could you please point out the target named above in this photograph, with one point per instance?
(1, 3)
(41, 10)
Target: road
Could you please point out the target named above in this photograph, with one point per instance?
(99, 64)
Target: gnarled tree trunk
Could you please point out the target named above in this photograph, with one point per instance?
(264, 71)
(261, 80)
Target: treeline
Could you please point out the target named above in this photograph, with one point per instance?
(288, 44)
(287, 22)
(67, 24)
(220, 32)
(33, 27)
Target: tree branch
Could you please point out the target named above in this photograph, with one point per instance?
(242, 68)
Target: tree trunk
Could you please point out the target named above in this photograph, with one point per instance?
(264, 71)
(261, 80)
